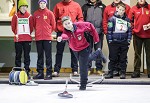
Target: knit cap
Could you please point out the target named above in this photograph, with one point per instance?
(22, 2)
(42, 1)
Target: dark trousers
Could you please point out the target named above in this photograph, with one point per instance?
(98, 62)
(44, 46)
(59, 55)
(26, 48)
(84, 58)
(138, 43)
(114, 49)
(117, 66)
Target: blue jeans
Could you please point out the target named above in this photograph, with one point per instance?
(98, 62)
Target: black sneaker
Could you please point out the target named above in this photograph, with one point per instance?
(48, 77)
(135, 75)
(82, 87)
(39, 76)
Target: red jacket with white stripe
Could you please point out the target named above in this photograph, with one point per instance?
(140, 15)
(44, 24)
(14, 26)
(77, 40)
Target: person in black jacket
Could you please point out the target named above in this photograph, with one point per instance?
(93, 13)
(119, 37)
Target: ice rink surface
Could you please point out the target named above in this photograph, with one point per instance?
(98, 93)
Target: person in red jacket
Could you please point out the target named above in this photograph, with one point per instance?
(74, 33)
(108, 13)
(140, 17)
(72, 9)
(22, 27)
(44, 24)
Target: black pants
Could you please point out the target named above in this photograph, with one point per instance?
(59, 55)
(117, 66)
(138, 43)
(84, 57)
(114, 49)
(26, 48)
(44, 46)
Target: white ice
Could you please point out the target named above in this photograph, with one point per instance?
(48, 93)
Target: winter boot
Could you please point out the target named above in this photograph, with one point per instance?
(116, 73)
(135, 75)
(109, 75)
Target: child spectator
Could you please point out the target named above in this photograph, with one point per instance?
(22, 27)
(119, 37)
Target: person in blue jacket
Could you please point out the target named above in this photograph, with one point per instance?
(119, 37)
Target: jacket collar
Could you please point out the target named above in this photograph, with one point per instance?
(66, 3)
(74, 28)
(98, 3)
(43, 9)
(139, 6)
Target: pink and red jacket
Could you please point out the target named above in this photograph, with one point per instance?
(77, 40)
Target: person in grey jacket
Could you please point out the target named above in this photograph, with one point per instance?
(93, 13)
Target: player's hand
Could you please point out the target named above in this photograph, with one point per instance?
(17, 37)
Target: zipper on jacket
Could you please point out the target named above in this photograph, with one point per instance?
(73, 34)
(142, 10)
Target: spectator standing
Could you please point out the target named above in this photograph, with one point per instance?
(72, 9)
(44, 24)
(93, 13)
(119, 37)
(140, 17)
(108, 13)
(22, 27)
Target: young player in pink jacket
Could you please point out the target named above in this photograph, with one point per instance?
(74, 33)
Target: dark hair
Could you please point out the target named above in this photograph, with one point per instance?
(65, 18)
(121, 4)
(90, 0)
